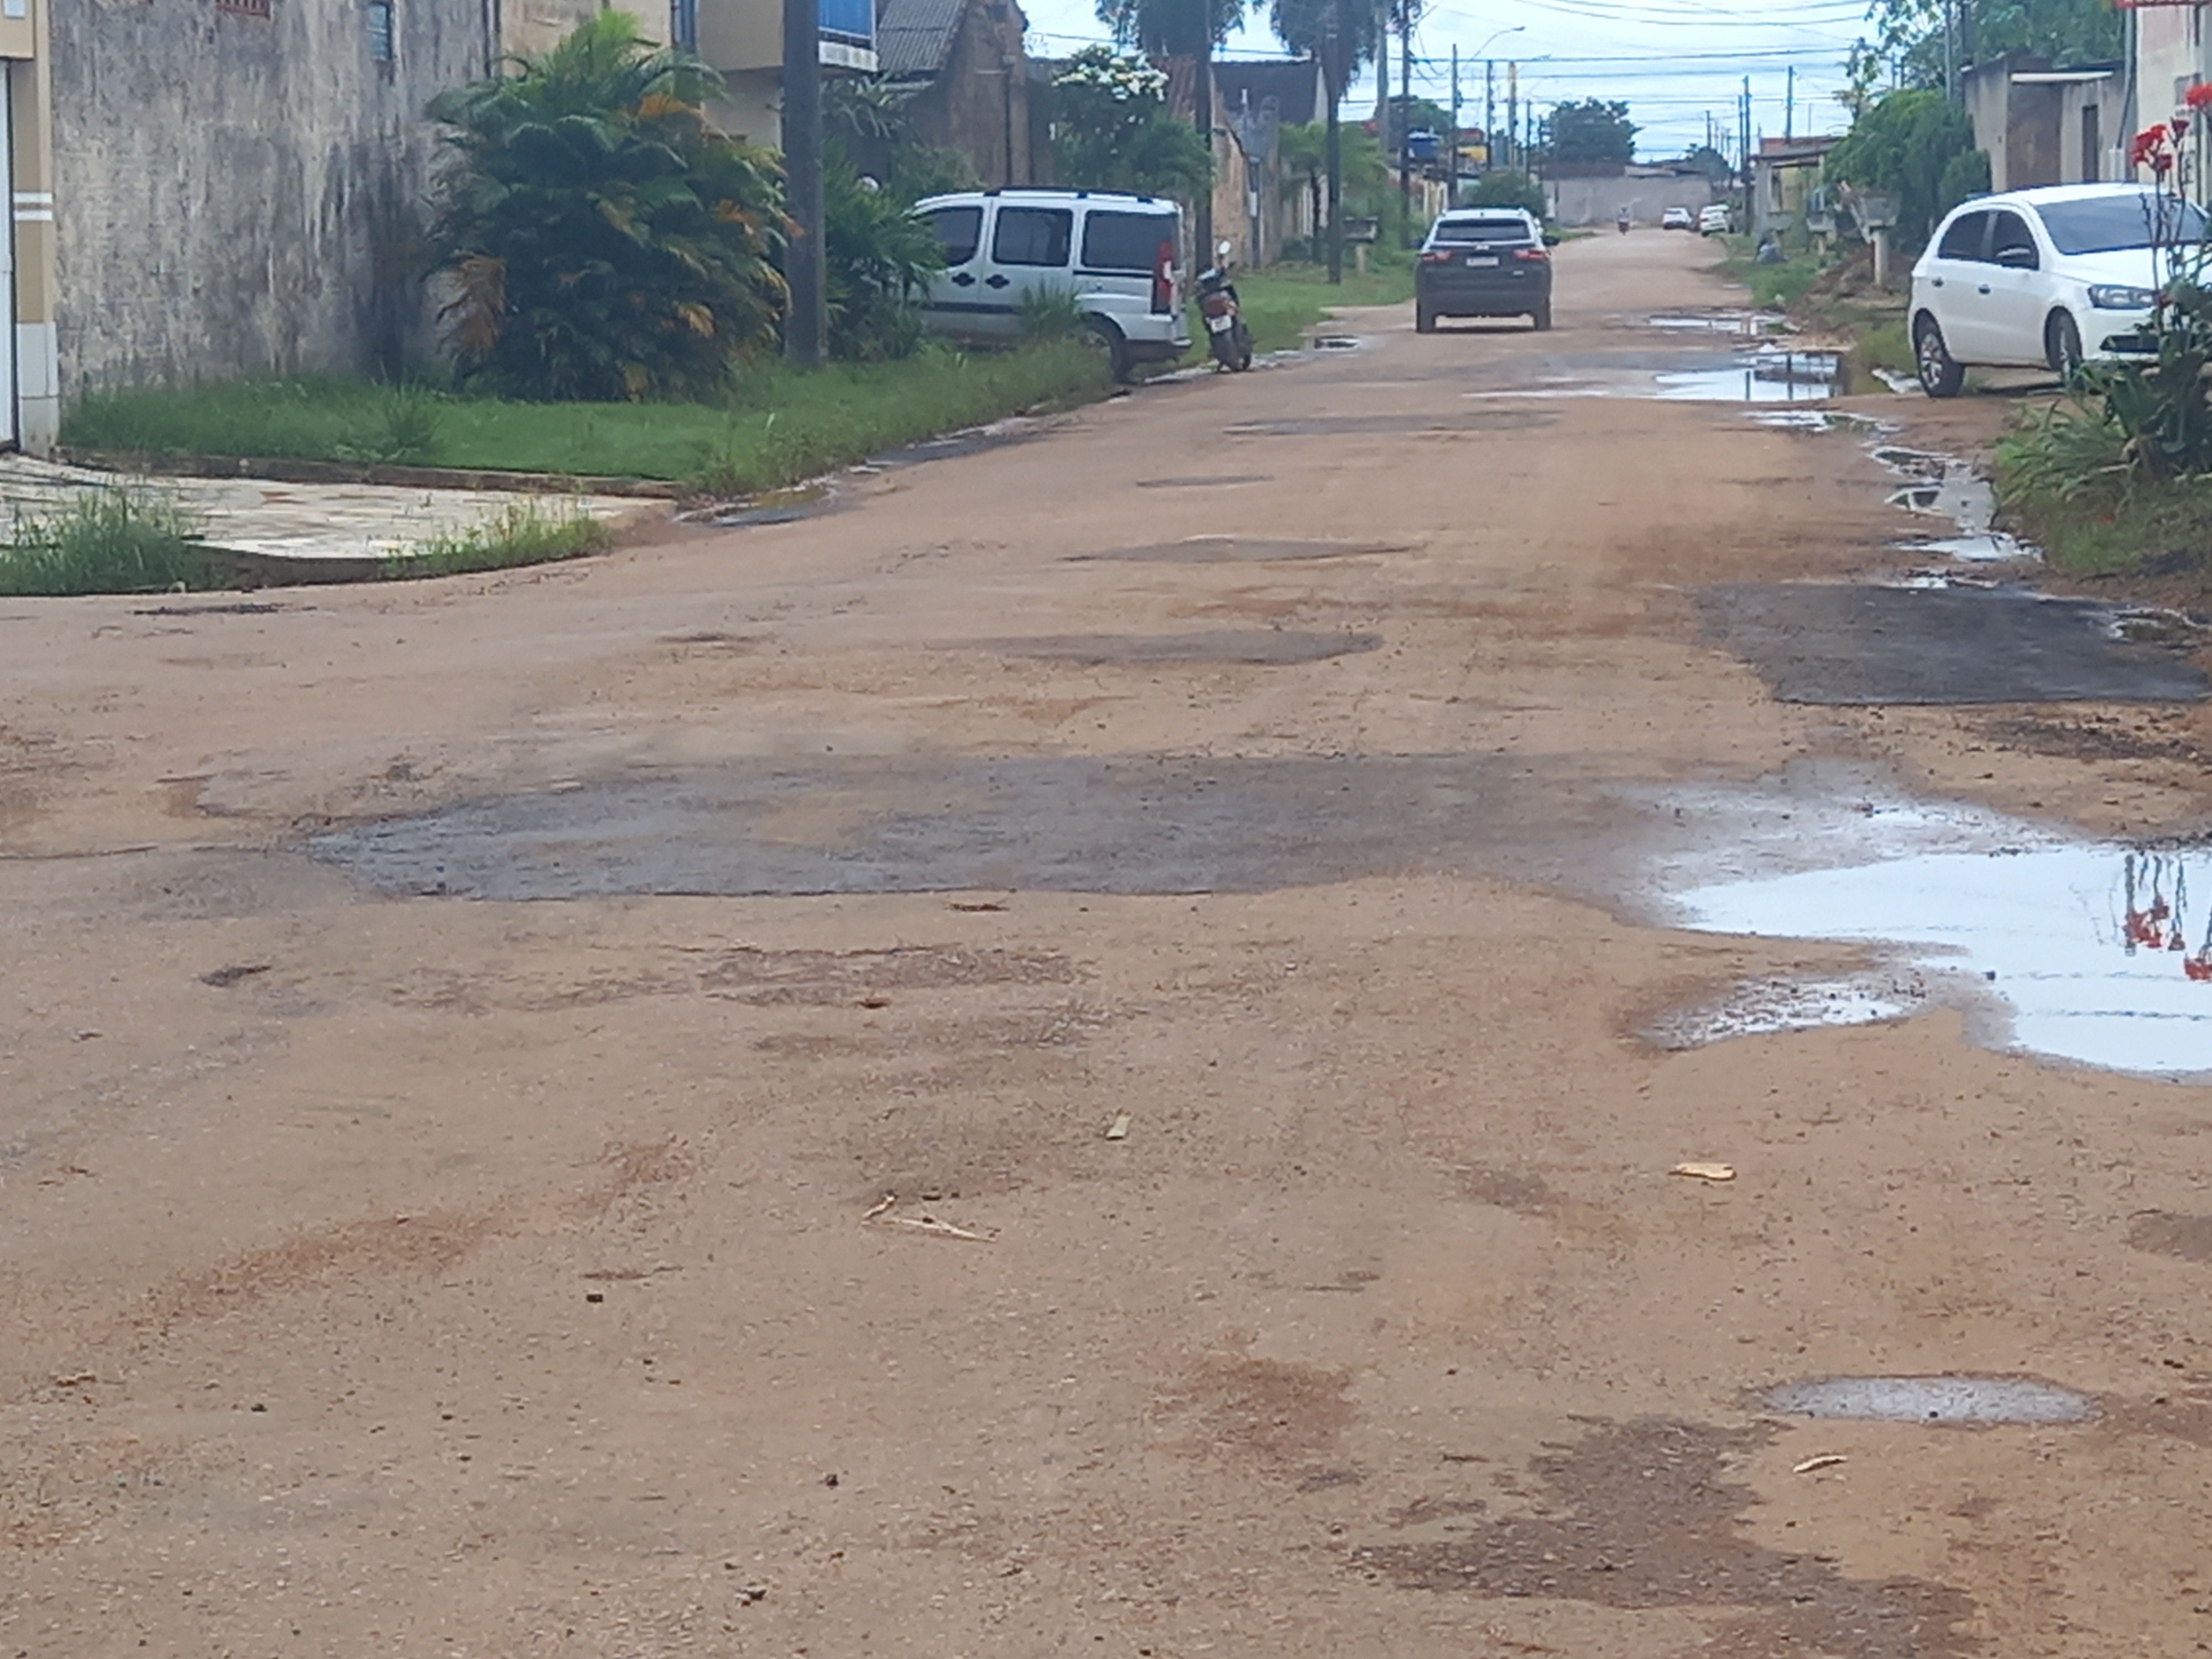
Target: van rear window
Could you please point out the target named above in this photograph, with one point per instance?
(1032, 236)
(1481, 230)
(1126, 241)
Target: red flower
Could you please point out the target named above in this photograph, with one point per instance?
(2198, 96)
(2149, 148)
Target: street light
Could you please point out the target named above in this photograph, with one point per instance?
(1518, 28)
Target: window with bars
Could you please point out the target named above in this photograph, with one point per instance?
(380, 42)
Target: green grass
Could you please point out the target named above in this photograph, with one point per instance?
(1282, 303)
(2064, 482)
(778, 427)
(525, 533)
(105, 541)
(1771, 286)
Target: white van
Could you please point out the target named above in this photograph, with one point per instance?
(1115, 253)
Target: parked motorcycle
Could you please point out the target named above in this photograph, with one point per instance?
(1227, 338)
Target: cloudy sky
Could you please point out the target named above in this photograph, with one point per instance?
(1672, 61)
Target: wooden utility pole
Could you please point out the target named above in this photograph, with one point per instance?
(1451, 160)
(1203, 100)
(1332, 77)
(1406, 123)
(806, 322)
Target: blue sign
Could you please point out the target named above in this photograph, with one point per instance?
(851, 22)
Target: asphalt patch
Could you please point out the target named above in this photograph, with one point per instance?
(1852, 646)
(1261, 647)
(1240, 549)
(1647, 1514)
(1059, 823)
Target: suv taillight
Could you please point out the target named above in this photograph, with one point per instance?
(1436, 256)
(1536, 253)
(1163, 279)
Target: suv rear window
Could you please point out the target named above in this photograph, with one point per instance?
(1460, 231)
(1032, 236)
(1126, 241)
(959, 228)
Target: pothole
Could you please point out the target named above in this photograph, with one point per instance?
(1943, 486)
(1765, 1007)
(1764, 376)
(1751, 324)
(1945, 1401)
(1260, 647)
(1236, 550)
(1207, 481)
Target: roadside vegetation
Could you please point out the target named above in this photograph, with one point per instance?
(105, 541)
(525, 533)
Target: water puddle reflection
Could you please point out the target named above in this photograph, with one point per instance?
(2099, 954)
(1761, 377)
(1943, 486)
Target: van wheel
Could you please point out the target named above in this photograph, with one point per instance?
(2062, 345)
(1941, 374)
(1106, 340)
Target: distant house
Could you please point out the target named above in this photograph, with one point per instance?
(1252, 103)
(1784, 173)
(969, 76)
(2043, 126)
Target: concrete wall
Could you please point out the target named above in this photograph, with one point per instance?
(1596, 201)
(238, 194)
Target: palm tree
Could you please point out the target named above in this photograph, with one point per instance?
(598, 238)
(1181, 29)
(1339, 36)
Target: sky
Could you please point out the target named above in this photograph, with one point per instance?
(1671, 61)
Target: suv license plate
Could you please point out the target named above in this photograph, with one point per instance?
(1482, 259)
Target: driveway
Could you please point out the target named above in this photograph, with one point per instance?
(1085, 1053)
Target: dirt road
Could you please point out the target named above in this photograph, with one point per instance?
(462, 1042)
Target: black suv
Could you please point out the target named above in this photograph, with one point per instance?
(1483, 262)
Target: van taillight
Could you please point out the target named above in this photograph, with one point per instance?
(1164, 278)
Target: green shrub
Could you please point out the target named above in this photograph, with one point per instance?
(405, 430)
(524, 533)
(878, 258)
(1050, 314)
(105, 541)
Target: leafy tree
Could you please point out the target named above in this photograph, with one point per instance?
(1716, 166)
(1915, 145)
(1181, 29)
(870, 119)
(1112, 129)
(597, 238)
(1909, 33)
(1417, 115)
(1503, 187)
(1338, 36)
(1590, 130)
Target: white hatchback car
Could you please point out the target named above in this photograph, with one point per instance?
(2052, 277)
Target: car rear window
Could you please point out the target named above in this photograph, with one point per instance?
(1126, 241)
(1461, 231)
(1032, 236)
(2105, 224)
(958, 229)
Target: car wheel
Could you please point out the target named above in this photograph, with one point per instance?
(1542, 318)
(1107, 341)
(1941, 376)
(1425, 320)
(2062, 345)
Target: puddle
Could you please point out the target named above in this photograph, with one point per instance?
(1335, 342)
(2093, 953)
(1766, 1007)
(1849, 646)
(1262, 646)
(1239, 549)
(1749, 324)
(1818, 420)
(1768, 377)
(774, 507)
(1947, 1402)
(1946, 487)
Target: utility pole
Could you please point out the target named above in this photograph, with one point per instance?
(1743, 119)
(1451, 179)
(1406, 123)
(1334, 155)
(1203, 99)
(807, 323)
(1382, 81)
(1489, 113)
(1790, 106)
(1512, 112)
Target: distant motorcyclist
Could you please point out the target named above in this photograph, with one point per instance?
(1621, 220)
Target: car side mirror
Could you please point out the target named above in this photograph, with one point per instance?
(2016, 258)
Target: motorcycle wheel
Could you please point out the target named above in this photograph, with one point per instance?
(1240, 357)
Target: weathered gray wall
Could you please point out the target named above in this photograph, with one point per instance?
(240, 195)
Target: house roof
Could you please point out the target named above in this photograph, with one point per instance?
(915, 37)
(1294, 87)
